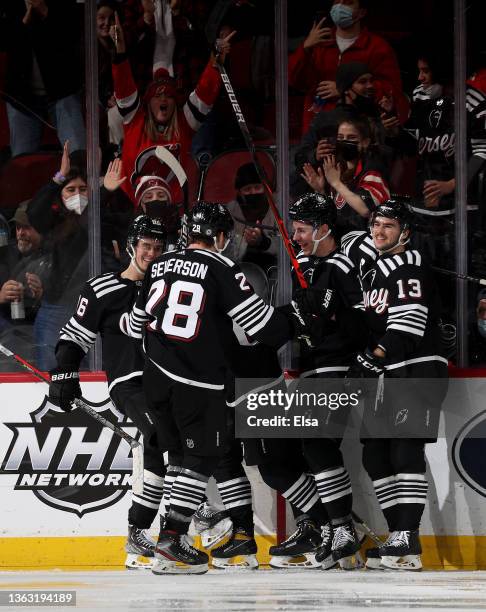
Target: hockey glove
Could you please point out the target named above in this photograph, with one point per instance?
(366, 365)
(306, 326)
(64, 387)
(320, 302)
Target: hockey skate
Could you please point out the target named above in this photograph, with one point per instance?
(323, 554)
(174, 555)
(402, 552)
(211, 525)
(237, 553)
(345, 546)
(373, 555)
(298, 551)
(140, 549)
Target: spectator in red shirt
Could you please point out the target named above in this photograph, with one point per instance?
(312, 67)
(155, 119)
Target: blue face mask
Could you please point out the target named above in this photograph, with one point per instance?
(342, 16)
(482, 327)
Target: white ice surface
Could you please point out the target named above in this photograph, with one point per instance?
(261, 590)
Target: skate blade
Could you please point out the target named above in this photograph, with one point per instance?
(411, 563)
(212, 537)
(240, 562)
(352, 562)
(328, 563)
(164, 566)
(136, 562)
(305, 561)
(374, 564)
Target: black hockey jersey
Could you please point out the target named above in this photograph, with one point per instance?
(188, 302)
(101, 303)
(402, 311)
(359, 248)
(341, 335)
(431, 124)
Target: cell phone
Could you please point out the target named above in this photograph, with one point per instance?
(320, 15)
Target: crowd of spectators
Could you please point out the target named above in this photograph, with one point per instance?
(360, 136)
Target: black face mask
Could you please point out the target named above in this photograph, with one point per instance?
(254, 206)
(347, 150)
(155, 208)
(365, 105)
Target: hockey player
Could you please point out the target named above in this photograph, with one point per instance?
(189, 299)
(402, 311)
(99, 307)
(332, 277)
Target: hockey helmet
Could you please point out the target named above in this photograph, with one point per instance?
(397, 207)
(145, 227)
(314, 209)
(207, 219)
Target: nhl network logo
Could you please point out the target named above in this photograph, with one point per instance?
(68, 460)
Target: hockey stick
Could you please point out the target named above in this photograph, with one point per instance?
(261, 174)
(366, 529)
(471, 279)
(135, 445)
(166, 157)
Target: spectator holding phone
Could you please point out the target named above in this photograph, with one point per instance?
(340, 39)
(352, 175)
(354, 82)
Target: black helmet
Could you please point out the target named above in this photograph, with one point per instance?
(397, 207)
(315, 209)
(145, 227)
(206, 219)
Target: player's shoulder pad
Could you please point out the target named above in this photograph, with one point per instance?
(359, 240)
(388, 265)
(105, 283)
(226, 261)
(341, 261)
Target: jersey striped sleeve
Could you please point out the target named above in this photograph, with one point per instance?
(374, 184)
(126, 92)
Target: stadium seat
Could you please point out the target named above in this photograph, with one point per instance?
(22, 176)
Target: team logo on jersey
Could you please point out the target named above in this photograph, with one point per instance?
(68, 460)
(339, 201)
(190, 443)
(468, 448)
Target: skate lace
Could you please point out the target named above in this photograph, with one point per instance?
(205, 511)
(184, 544)
(300, 529)
(326, 533)
(399, 538)
(342, 536)
(141, 538)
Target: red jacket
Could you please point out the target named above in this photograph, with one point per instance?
(134, 111)
(309, 67)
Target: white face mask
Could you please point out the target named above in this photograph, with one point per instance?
(76, 203)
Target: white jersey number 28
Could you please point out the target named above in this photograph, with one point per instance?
(184, 304)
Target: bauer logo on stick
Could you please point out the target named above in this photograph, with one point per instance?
(69, 461)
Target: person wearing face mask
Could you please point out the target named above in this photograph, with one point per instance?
(340, 39)
(59, 213)
(255, 235)
(356, 86)
(351, 175)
